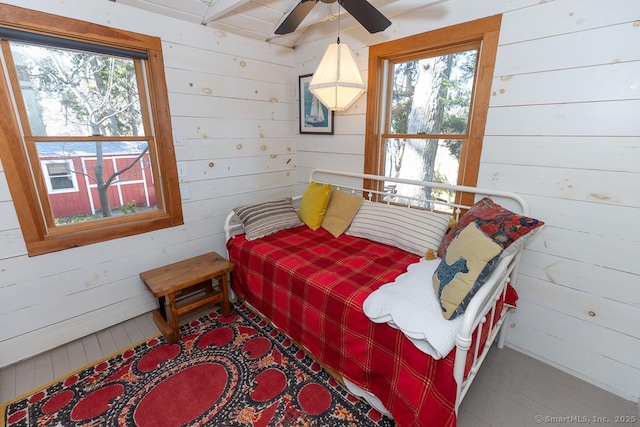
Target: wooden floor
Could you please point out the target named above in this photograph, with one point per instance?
(511, 389)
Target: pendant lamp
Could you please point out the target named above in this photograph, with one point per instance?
(337, 82)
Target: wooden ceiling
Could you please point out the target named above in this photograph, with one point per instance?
(259, 18)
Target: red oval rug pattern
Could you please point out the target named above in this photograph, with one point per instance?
(234, 370)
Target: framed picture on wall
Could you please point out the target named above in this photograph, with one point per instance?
(314, 116)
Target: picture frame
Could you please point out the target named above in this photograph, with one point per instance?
(315, 117)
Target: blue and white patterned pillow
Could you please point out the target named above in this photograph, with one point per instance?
(466, 265)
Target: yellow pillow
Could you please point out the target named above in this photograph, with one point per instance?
(341, 210)
(314, 204)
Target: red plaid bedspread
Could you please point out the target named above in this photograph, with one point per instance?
(312, 286)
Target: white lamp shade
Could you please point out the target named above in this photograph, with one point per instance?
(337, 82)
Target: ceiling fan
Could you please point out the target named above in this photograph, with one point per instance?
(367, 15)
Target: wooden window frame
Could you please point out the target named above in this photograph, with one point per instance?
(486, 32)
(39, 235)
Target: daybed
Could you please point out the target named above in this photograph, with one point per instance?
(358, 279)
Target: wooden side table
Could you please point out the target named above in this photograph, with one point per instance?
(185, 286)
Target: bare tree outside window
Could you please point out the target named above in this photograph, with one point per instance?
(88, 149)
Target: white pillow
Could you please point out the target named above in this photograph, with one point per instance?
(411, 229)
(409, 304)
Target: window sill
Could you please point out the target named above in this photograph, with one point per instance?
(62, 238)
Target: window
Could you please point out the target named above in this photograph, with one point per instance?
(87, 149)
(427, 104)
(59, 176)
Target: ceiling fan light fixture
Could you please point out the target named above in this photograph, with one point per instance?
(337, 82)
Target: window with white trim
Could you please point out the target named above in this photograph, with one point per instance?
(59, 176)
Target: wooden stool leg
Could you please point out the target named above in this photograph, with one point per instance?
(173, 319)
(162, 304)
(225, 295)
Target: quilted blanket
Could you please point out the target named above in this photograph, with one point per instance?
(312, 286)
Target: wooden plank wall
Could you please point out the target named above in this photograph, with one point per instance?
(563, 130)
(233, 103)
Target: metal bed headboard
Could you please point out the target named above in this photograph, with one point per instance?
(389, 196)
(353, 182)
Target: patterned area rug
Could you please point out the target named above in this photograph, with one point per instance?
(232, 370)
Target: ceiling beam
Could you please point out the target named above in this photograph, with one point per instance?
(221, 8)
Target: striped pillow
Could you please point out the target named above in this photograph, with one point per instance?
(411, 229)
(262, 219)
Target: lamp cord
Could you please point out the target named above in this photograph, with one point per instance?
(338, 41)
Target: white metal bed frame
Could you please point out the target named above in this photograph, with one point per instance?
(485, 300)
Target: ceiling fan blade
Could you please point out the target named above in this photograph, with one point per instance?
(296, 16)
(367, 15)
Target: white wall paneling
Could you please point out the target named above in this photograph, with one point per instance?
(233, 102)
(610, 118)
(203, 128)
(562, 130)
(568, 96)
(584, 152)
(577, 184)
(194, 82)
(617, 81)
(583, 277)
(570, 50)
(562, 17)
